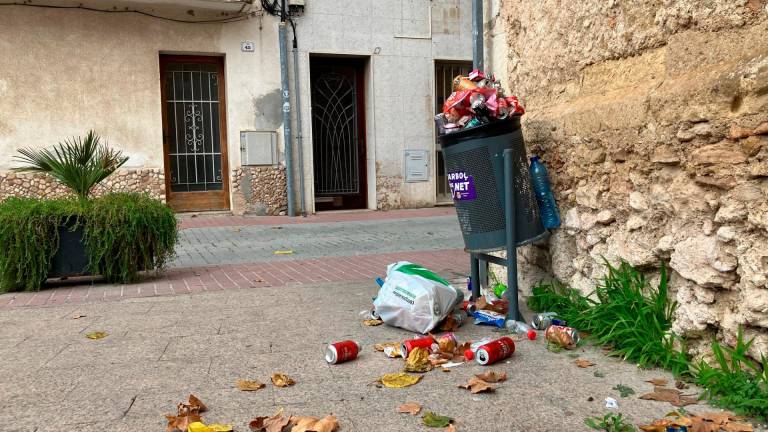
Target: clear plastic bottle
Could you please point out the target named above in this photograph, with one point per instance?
(550, 216)
(520, 327)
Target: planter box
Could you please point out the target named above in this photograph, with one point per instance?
(71, 259)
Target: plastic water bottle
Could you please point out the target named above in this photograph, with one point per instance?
(550, 216)
(521, 328)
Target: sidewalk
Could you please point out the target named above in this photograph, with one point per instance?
(159, 350)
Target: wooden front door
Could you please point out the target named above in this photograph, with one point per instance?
(194, 132)
(338, 133)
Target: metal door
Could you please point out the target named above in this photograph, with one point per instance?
(445, 71)
(338, 133)
(194, 133)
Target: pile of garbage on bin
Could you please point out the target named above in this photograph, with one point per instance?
(477, 99)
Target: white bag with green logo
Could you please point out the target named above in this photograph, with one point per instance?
(415, 298)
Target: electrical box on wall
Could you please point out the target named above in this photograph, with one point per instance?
(258, 147)
(416, 166)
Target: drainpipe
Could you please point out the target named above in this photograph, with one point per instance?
(299, 146)
(286, 111)
(477, 34)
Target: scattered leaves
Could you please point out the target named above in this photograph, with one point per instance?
(673, 396)
(313, 424)
(623, 390)
(412, 408)
(97, 335)
(399, 380)
(282, 380)
(583, 363)
(372, 322)
(500, 306)
(431, 419)
(187, 414)
(246, 385)
(418, 361)
(276, 423)
(492, 376)
(658, 382)
(476, 385)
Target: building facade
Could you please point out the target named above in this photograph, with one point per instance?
(191, 91)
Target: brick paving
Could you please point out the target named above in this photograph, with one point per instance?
(218, 253)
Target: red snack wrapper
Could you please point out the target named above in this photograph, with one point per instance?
(514, 106)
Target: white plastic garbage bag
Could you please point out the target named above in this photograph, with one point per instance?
(415, 298)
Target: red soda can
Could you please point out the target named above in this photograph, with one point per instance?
(341, 352)
(411, 344)
(495, 351)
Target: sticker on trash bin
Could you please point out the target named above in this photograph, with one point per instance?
(462, 186)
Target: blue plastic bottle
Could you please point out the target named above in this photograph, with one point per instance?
(550, 216)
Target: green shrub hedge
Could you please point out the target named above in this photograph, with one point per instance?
(124, 233)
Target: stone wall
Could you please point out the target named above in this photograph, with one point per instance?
(37, 185)
(653, 120)
(259, 190)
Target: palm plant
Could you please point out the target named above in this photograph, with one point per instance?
(79, 164)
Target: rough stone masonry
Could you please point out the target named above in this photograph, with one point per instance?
(652, 117)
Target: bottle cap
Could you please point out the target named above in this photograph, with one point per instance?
(532, 334)
(469, 355)
(535, 159)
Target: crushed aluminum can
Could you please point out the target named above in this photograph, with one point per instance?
(411, 344)
(445, 343)
(677, 428)
(341, 352)
(543, 320)
(495, 351)
(562, 336)
(463, 83)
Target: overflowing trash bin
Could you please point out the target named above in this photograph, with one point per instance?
(477, 125)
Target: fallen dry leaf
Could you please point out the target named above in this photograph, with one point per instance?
(202, 427)
(282, 380)
(399, 380)
(738, 427)
(246, 385)
(195, 402)
(314, 424)
(97, 335)
(382, 346)
(659, 382)
(673, 396)
(476, 385)
(412, 408)
(583, 363)
(372, 322)
(500, 306)
(492, 376)
(418, 361)
(187, 413)
(276, 423)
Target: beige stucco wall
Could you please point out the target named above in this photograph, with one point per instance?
(66, 71)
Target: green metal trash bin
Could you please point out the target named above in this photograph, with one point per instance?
(474, 160)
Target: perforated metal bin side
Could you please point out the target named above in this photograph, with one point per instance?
(479, 152)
